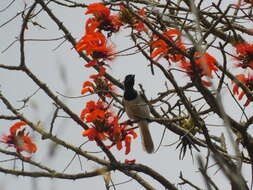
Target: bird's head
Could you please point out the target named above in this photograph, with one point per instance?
(129, 81)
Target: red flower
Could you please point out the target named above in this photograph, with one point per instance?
(248, 81)
(126, 18)
(128, 140)
(130, 161)
(115, 23)
(92, 134)
(92, 63)
(161, 48)
(93, 111)
(95, 44)
(98, 10)
(19, 139)
(101, 86)
(244, 55)
(99, 115)
(87, 87)
(142, 12)
(106, 126)
(91, 25)
(139, 25)
(120, 134)
(204, 65)
(206, 62)
(100, 74)
(103, 20)
(102, 69)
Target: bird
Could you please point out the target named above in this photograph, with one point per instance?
(137, 109)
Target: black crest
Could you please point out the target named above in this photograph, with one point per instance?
(129, 81)
(130, 93)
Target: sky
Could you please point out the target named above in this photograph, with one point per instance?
(63, 71)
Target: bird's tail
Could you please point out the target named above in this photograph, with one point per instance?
(147, 141)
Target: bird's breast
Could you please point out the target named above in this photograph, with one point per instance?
(136, 108)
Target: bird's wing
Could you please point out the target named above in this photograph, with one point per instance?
(136, 108)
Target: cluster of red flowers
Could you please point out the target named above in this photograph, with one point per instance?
(19, 139)
(244, 57)
(95, 43)
(204, 63)
(127, 19)
(101, 86)
(106, 126)
(161, 48)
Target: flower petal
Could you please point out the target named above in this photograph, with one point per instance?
(16, 126)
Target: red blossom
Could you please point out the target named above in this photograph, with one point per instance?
(87, 87)
(91, 63)
(204, 65)
(244, 55)
(142, 12)
(99, 115)
(16, 126)
(248, 81)
(206, 62)
(95, 44)
(115, 23)
(120, 134)
(92, 134)
(90, 111)
(103, 20)
(105, 125)
(119, 145)
(162, 49)
(128, 140)
(19, 139)
(101, 86)
(139, 25)
(98, 10)
(206, 83)
(130, 161)
(129, 20)
(91, 25)
(100, 74)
